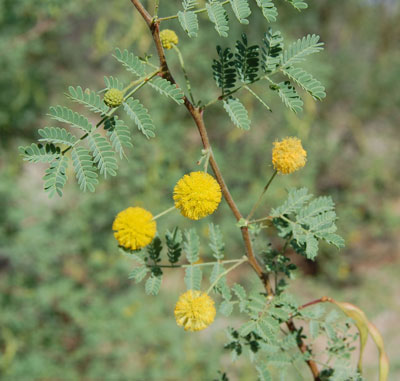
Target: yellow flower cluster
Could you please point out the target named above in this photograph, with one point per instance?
(134, 228)
(194, 310)
(197, 195)
(168, 38)
(288, 155)
(113, 98)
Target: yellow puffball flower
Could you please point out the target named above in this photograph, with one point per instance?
(168, 38)
(113, 98)
(134, 228)
(197, 195)
(194, 310)
(288, 155)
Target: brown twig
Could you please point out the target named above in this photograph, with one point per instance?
(304, 349)
(316, 301)
(197, 115)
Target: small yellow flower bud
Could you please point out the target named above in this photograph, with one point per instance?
(168, 38)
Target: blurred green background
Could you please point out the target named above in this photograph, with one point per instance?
(67, 308)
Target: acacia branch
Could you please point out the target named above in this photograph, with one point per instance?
(197, 115)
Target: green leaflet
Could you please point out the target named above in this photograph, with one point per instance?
(138, 273)
(218, 17)
(154, 250)
(113, 83)
(298, 4)
(307, 222)
(189, 22)
(268, 9)
(272, 51)
(247, 60)
(55, 176)
(226, 308)
(193, 276)
(88, 98)
(189, 4)
(57, 135)
(103, 154)
(153, 284)
(216, 241)
(139, 114)
(296, 199)
(130, 62)
(168, 89)
(306, 81)
(263, 373)
(241, 10)
(290, 97)
(221, 286)
(237, 113)
(300, 49)
(191, 245)
(37, 153)
(84, 168)
(174, 245)
(120, 137)
(224, 71)
(66, 115)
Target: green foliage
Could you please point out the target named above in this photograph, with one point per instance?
(88, 98)
(307, 222)
(74, 119)
(57, 135)
(300, 49)
(191, 245)
(189, 22)
(84, 169)
(55, 176)
(307, 82)
(103, 154)
(298, 4)
(154, 250)
(272, 51)
(224, 71)
(113, 83)
(153, 285)
(268, 9)
(289, 96)
(139, 273)
(119, 135)
(237, 113)
(188, 18)
(174, 245)
(247, 60)
(130, 62)
(189, 4)
(216, 243)
(37, 153)
(218, 17)
(241, 9)
(193, 277)
(167, 89)
(140, 115)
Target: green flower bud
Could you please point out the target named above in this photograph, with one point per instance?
(113, 98)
